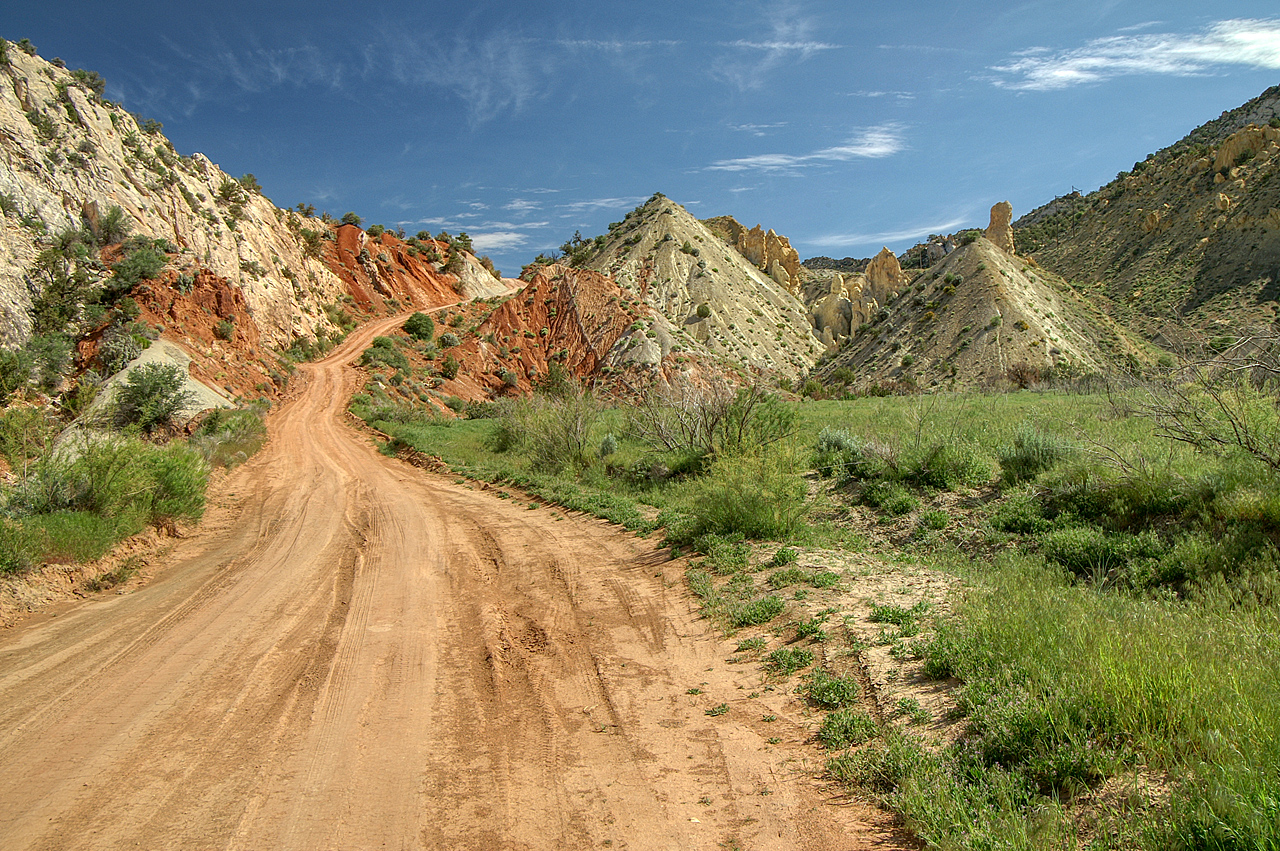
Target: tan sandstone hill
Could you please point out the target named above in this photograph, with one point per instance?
(1187, 242)
(981, 316)
(712, 297)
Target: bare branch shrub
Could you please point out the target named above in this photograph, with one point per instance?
(1222, 401)
(710, 419)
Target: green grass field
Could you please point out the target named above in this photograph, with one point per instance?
(1115, 646)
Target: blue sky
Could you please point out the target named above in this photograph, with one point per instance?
(845, 126)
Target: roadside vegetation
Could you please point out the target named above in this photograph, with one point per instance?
(1109, 664)
(76, 486)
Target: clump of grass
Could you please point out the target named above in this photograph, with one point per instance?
(1066, 685)
(831, 691)
(935, 519)
(758, 495)
(120, 575)
(907, 620)
(845, 728)
(758, 611)
(749, 645)
(787, 660)
(725, 553)
(1033, 452)
(789, 576)
(783, 557)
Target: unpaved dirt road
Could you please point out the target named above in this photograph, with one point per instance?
(353, 654)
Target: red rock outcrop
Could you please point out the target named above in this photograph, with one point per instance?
(573, 317)
(375, 269)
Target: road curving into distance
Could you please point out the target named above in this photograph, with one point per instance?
(350, 653)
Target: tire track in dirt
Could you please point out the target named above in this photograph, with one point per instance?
(351, 653)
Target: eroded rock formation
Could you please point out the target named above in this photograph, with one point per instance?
(1251, 141)
(1000, 231)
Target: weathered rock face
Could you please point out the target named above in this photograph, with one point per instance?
(577, 318)
(884, 276)
(666, 258)
(1000, 231)
(768, 251)
(832, 315)
(1202, 226)
(1251, 140)
(67, 157)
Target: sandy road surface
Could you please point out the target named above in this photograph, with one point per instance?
(353, 654)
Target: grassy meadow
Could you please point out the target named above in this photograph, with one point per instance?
(1113, 657)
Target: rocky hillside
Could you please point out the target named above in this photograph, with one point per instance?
(1186, 242)
(709, 295)
(981, 316)
(230, 275)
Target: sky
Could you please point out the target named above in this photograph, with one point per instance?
(843, 126)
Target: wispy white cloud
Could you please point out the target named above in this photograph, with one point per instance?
(603, 204)
(750, 61)
(872, 143)
(851, 240)
(882, 94)
(1250, 42)
(499, 240)
(613, 45)
(522, 205)
(804, 48)
(492, 75)
(757, 129)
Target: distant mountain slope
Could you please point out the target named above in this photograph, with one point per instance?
(979, 317)
(1189, 237)
(68, 158)
(714, 298)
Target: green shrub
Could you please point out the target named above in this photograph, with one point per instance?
(229, 437)
(757, 612)
(1031, 453)
(950, 464)
(225, 329)
(178, 475)
(891, 497)
(757, 495)
(935, 519)
(384, 351)
(1088, 551)
(787, 660)
(845, 728)
(447, 340)
(783, 556)
(830, 691)
(725, 554)
(1020, 513)
(907, 620)
(18, 549)
(151, 396)
(145, 263)
(113, 226)
(420, 326)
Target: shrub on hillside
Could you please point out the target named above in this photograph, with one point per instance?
(420, 326)
(151, 396)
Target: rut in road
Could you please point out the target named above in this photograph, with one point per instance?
(350, 653)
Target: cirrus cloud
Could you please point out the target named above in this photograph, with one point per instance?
(872, 143)
(1250, 42)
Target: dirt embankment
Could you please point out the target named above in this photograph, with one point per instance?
(350, 653)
